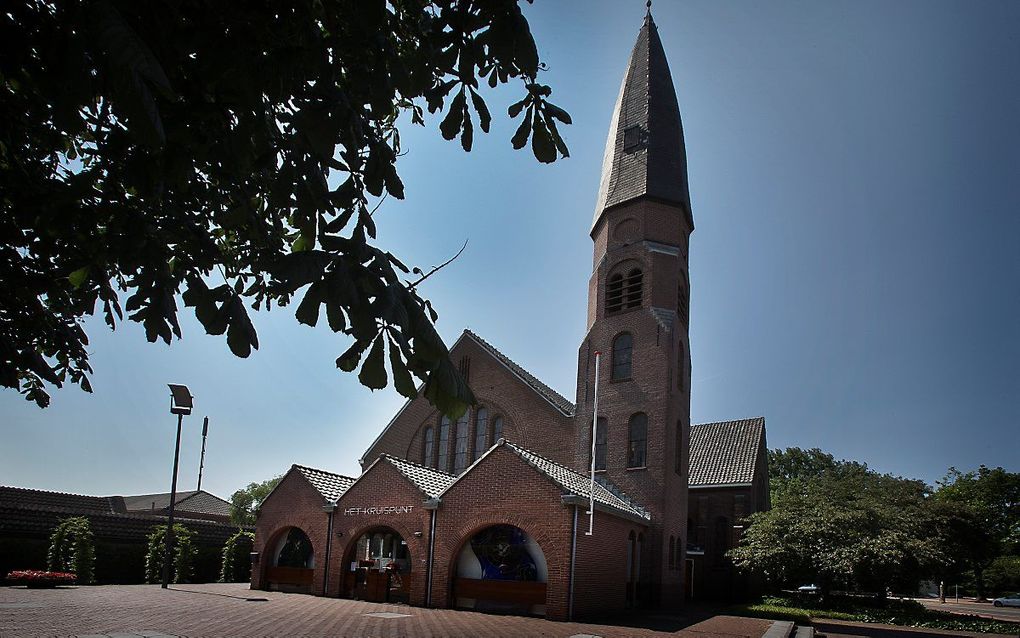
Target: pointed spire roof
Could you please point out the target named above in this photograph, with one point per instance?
(645, 154)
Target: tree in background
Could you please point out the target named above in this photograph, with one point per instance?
(72, 549)
(232, 156)
(841, 525)
(183, 562)
(237, 558)
(991, 496)
(244, 503)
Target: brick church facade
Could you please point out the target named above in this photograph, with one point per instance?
(491, 511)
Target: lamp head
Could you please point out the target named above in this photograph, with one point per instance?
(181, 400)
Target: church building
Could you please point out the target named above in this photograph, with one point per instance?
(491, 512)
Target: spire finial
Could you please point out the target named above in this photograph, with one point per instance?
(648, 6)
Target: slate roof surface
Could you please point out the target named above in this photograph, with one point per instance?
(429, 480)
(550, 395)
(330, 485)
(578, 484)
(35, 513)
(187, 501)
(726, 453)
(21, 497)
(657, 168)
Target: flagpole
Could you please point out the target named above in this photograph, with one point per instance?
(594, 434)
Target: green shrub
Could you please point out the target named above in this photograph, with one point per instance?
(237, 558)
(183, 562)
(72, 549)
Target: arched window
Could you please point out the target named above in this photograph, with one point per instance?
(614, 293)
(681, 300)
(623, 348)
(497, 429)
(481, 431)
(632, 289)
(638, 440)
(672, 552)
(601, 443)
(428, 447)
(444, 445)
(681, 365)
(460, 440)
(678, 449)
(623, 291)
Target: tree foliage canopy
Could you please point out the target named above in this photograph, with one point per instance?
(245, 502)
(841, 524)
(230, 155)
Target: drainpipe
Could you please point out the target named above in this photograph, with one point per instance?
(329, 509)
(432, 505)
(573, 561)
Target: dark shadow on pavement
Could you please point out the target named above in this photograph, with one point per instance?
(254, 599)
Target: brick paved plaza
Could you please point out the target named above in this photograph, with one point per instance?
(220, 610)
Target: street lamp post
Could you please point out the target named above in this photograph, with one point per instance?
(181, 403)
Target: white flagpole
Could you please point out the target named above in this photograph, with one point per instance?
(594, 434)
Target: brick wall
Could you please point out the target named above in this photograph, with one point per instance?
(505, 490)
(528, 418)
(294, 503)
(382, 485)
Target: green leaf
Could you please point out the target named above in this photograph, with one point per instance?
(451, 124)
(78, 277)
(484, 117)
(541, 142)
(520, 138)
(308, 310)
(348, 361)
(402, 380)
(373, 371)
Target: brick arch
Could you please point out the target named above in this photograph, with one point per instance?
(417, 549)
(270, 557)
(452, 548)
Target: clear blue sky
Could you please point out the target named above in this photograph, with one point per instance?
(855, 271)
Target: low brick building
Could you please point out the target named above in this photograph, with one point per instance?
(491, 511)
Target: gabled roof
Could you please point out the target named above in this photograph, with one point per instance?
(43, 500)
(330, 485)
(656, 166)
(556, 399)
(576, 484)
(198, 501)
(727, 452)
(430, 481)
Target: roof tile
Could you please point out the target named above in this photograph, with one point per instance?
(550, 395)
(330, 485)
(726, 453)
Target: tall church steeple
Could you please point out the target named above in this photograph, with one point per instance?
(645, 154)
(638, 318)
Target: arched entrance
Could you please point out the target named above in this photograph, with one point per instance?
(293, 562)
(501, 569)
(377, 568)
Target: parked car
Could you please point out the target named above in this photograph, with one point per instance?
(809, 589)
(1009, 600)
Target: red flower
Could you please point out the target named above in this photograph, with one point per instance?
(28, 576)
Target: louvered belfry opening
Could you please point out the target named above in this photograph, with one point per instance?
(624, 291)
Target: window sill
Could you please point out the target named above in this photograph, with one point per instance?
(635, 469)
(624, 380)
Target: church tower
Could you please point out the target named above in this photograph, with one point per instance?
(638, 318)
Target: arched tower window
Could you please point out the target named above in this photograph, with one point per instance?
(623, 348)
(623, 291)
(632, 289)
(601, 443)
(481, 431)
(672, 552)
(444, 445)
(428, 446)
(682, 308)
(638, 431)
(681, 365)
